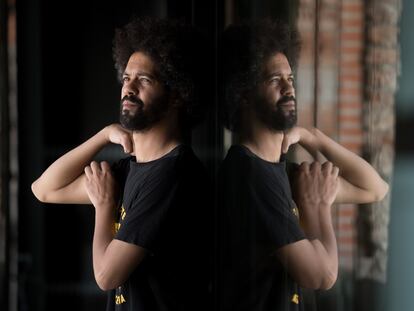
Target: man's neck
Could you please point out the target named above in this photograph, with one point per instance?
(263, 142)
(155, 142)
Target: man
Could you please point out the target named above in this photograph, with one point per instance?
(148, 250)
(267, 252)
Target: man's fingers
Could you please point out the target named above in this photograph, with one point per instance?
(304, 166)
(126, 142)
(95, 167)
(105, 166)
(88, 172)
(315, 166)
(327, 167)
(335, 171)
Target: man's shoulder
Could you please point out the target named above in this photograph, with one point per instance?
(238, 157)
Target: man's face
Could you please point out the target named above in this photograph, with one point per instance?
(275, 103)
(144, 100)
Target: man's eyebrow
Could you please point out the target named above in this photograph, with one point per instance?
(278, 73)
(140, 73)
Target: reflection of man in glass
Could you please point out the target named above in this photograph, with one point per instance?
(266, 252)
(148, 250)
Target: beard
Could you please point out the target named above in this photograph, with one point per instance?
(140, 119)
(275, 117)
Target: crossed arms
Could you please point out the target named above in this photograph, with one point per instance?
(344, 178)
(312, 262)
(74, 179)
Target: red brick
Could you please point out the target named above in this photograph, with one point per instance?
(352, 36)
(346, 227)
(351, 49)
(352, 22)
(351, 131)
(347, 210)
(350, 91)
(346, 240)
(352, 7)
(351, 64)
(347, 118)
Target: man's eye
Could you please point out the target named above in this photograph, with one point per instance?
(145, 80)
(274, 80)
(125, 79)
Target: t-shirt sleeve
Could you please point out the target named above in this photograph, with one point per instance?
(144, 221)
(275, 215)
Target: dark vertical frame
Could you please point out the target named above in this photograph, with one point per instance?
(4, 158)
(29, 110)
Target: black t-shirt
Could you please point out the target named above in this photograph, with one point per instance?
(164, 209)
(257, 216)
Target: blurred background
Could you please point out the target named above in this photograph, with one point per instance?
(355, 81)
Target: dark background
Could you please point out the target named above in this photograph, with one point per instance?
(67, 91)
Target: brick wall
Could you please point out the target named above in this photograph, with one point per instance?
(350, 112)
(347, 79)
(330, 89)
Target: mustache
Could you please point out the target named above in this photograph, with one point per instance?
(285, 99)
(133, 99)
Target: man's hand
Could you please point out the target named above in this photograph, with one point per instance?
(314, 190)
(100, 185)
(291, 137)
(116, 134)
(316, 185)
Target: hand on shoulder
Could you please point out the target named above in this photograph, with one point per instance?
(293, 136)
(116, 134)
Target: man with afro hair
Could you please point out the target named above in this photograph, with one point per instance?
(150, 245)
(269, 246)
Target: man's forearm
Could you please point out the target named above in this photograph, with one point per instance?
(309, 221)
(328, 239)
(316, 222)
(352, 168)
(68, 167)
(103, 236)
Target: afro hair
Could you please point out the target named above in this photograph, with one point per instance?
(245, 48)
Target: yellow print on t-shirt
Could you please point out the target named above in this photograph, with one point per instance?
(119, 299)
(295, 299)
(122, 214)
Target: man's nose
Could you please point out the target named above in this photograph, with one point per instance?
(130, 88)
(287, 89)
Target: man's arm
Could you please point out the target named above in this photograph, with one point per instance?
(113, 260)
(359, 182)
(63, 181)
(313, 262)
